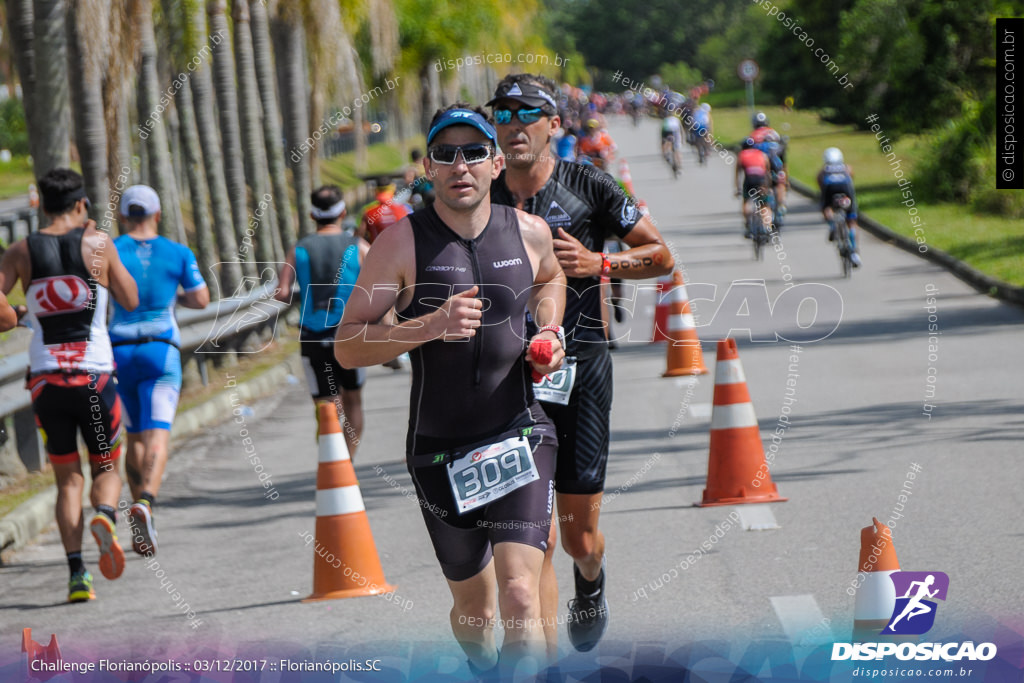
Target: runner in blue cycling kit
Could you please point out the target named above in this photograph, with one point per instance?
(836, 178)
(146, 350)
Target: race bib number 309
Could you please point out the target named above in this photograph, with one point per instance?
(488, 473)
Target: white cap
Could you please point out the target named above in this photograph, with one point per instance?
(139, 201)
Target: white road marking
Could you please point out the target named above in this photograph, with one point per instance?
(801, 619)
(757, 517)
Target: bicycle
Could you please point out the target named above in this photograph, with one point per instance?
(760, 236)
(670, 154)
(841, 230)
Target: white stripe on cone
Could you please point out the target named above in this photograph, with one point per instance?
(680, 322)
(733, 416)
(729, 372)
(876, 597)
(343, 500)
(677, 295)
(333, 448)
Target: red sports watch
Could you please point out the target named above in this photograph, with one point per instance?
(606, 265)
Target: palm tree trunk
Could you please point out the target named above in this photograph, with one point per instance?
(296, 112)
(227, 104)
(22, 36)
(193, 158)
(206, 121)
(85, 78)
(119, 73)
(151, 105)
(271, 122)
(264, 216)
(51, 100)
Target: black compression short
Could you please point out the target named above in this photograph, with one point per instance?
(464, 543)
(583, 426)
(324, 373)
(66, 404)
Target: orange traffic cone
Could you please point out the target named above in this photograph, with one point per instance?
(737, 471)
(33, 651)
(345, 561)
(876, 597)
(625, 177)
(684, 356)
(661, 309)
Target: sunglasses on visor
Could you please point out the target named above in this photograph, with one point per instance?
(472, 154)
(504, 116)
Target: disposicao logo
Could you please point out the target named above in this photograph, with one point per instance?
(913, 615)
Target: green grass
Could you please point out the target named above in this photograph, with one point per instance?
(381, 158)
(15, 177)
(990, 243)
(14, 495)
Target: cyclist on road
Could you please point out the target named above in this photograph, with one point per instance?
(752, 167)
(326, 265)
(769, 141)
(703, 129)
(146, 352)
(834, 178)
(671, 138)
(66, 269)
(472, 415)
(584, 208)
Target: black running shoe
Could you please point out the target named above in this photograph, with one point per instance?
(588, 614)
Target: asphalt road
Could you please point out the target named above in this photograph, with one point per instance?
(857, 425)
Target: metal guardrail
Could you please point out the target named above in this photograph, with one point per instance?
(17, 224)
(215, 334)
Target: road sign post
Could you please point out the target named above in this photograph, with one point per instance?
(748, 71)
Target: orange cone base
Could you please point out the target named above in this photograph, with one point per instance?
(686, 372)
(743, 497)
(691, 363)
(350, 593)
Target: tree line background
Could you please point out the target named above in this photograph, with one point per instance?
(920, 65)
(206, 100)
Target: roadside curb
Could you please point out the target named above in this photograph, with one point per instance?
(21, 525)
(985, 284)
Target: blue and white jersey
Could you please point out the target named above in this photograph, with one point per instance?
(834, 174)
(158, 266)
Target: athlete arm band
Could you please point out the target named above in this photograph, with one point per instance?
(606, 265)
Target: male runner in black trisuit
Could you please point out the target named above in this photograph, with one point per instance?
(462, 275)
(583, 206)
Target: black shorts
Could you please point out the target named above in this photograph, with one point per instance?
(584, 425)
(324, 373)
(464, 543)
(754, 187)
(66, 404)
(832, 189)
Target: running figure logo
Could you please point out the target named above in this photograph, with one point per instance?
(914, 613)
